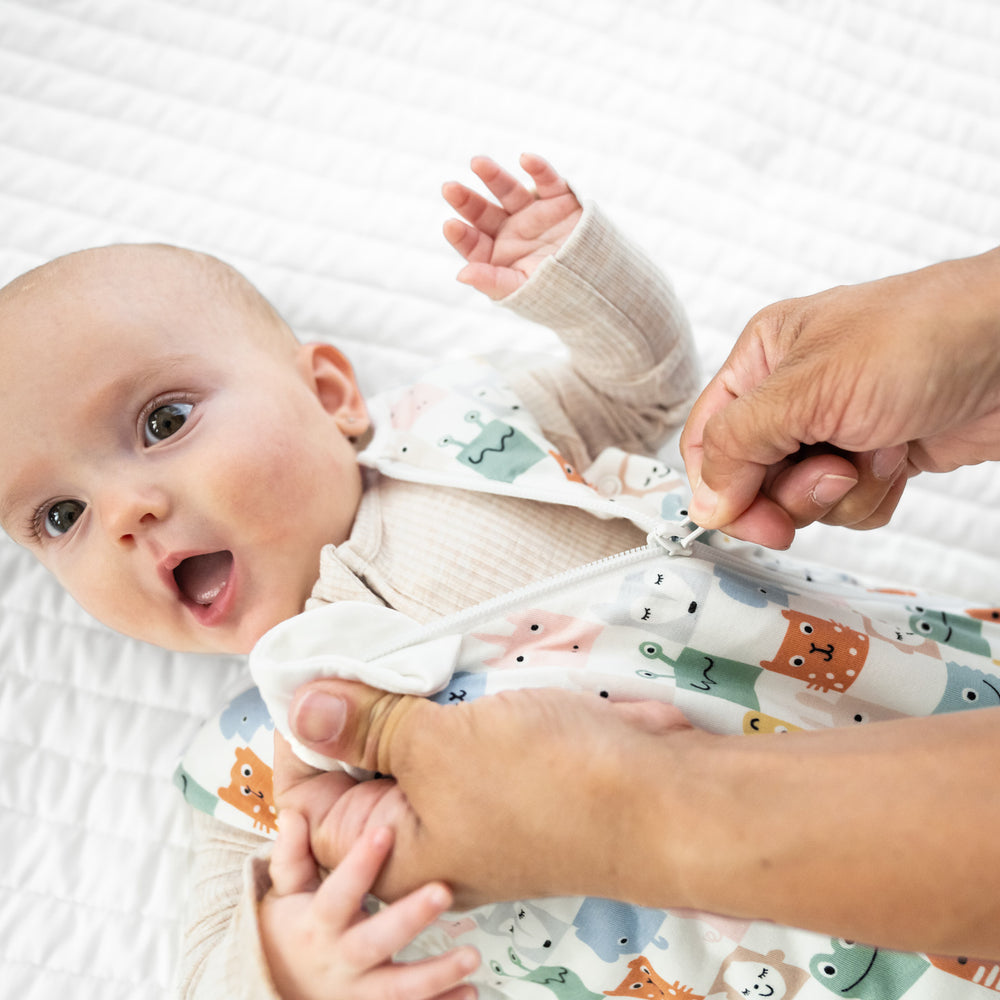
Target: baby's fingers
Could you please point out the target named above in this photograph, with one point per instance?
(474, 245)
(548, 183)
(505, 187)
(474, 208)
(292, 867)
(339, 899)
(439, 978)
(374, 941)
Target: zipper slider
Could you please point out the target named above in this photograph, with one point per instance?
(675, 537)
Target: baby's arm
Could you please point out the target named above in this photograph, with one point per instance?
(632, 371)
(319, 943)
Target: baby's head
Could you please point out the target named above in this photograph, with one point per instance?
(168, 449)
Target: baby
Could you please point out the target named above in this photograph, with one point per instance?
(185, 468)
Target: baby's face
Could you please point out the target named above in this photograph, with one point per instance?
(170, 453)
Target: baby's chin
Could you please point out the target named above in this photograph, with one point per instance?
(237, 637)
(218, 644)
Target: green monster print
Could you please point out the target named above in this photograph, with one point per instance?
(860, 972)
(500, 452)
(715, 675)
(564, 984)
(196, 796)
(950, 629)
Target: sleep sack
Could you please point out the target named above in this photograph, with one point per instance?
(741, 640)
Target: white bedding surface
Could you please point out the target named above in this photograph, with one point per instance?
(757, 149)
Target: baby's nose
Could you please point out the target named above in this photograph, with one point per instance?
(133, 509)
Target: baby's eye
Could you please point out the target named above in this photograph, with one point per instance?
(61, 516)
(166, 420)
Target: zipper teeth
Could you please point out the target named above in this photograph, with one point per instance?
(460, 621)
(787, 576)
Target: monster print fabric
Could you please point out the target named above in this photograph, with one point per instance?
(741, 640)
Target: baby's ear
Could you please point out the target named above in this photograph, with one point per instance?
(331, 377)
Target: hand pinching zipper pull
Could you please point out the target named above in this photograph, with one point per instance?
(675, 537)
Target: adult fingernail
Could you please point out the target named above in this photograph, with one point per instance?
(831, 489)
(319, 717)
(703, 504)
(886, 461)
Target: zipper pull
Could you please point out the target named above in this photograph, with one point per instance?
(675, 537)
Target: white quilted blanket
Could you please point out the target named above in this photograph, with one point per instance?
(757, 149)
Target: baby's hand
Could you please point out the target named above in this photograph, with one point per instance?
(320, 944)
(505, 243)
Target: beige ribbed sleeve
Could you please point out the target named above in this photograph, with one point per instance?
(632, 370)
(220, 948)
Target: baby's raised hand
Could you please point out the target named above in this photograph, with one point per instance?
(504, 243)
(319, 943)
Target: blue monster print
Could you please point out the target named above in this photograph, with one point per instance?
(613, 929)
(950, 629)
(674, 507)
(749, 591)
(968, 688)
(244, 715)
(499, 452)
(463, 686)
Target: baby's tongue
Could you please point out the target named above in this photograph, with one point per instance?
(202, 578)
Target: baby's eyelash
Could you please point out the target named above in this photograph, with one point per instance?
(33, 524)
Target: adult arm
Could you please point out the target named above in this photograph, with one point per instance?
(883, 833)
(889, 378)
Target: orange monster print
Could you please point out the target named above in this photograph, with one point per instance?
(251, 789)
(983, 972)
(568, 470)
(826, 655)
(984, 614)
(645, 983)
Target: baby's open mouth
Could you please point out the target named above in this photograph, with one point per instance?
(202, 578)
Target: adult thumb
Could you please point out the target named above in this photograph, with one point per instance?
(732, 442)
(351, 722)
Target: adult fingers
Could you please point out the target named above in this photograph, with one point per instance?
(838, 488)
(352, 722)
(734, 480)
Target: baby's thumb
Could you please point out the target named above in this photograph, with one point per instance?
(350, 722)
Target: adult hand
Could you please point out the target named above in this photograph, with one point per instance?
(542, 792)
(536, 775)
(827, 404)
